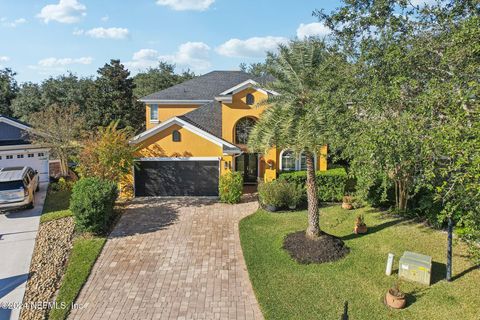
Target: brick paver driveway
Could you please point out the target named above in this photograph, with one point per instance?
(172, 259)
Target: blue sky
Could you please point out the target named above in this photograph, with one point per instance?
(49, 37)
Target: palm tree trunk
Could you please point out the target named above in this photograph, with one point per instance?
(313, 229)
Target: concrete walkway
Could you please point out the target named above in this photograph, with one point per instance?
(172, 259)
(18, 230)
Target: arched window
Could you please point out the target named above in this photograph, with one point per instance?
(250, 99)
(287, 160)
(242, 130)
(176, 136)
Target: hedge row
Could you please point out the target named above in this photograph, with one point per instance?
(330, 184)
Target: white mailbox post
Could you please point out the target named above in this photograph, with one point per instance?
(388, 272)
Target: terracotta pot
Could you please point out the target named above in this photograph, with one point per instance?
(360, 229)
(347, 206)
(395, 302)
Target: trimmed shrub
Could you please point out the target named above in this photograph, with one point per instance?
(231, 187)
(330, 184)
(272, 193)
(279, 193)
(92, 204)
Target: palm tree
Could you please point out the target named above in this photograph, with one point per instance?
(307, 113)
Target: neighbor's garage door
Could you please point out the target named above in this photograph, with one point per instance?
(176, 178)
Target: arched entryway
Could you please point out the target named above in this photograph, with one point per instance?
(246, 163)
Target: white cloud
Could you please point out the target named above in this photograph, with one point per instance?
(315, 29)
(104, 33)
(182, 5)
(61, 62)
(250, 48)
(193, 55)
(12, 24)
(105, 18)
(4, 58)
(66, 11)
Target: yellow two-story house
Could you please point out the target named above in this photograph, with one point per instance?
(198, 130)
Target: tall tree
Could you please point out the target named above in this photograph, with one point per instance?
(159, 78)
(308, 113)
(64, 90)
(378, 37)
(27, 101)
(8, 91)
(416, 99)
(107, 153)
(60, 129)
(113, 99)
(447, 43)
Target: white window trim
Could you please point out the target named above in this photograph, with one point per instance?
(297, 161)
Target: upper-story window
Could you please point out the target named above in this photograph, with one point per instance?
(154, 112)
(242, 130)
(250, 99)
(176, 136)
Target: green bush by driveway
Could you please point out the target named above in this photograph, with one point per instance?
(231, 187)
(288, 290)
(92, 204)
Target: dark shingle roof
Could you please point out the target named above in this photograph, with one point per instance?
(207, 117)
(205, 87)
(14, 119)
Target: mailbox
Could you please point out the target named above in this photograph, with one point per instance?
(415, 267)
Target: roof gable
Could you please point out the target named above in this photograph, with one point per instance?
(12, 131)
(227, 146)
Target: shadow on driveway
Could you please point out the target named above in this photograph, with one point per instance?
(9, 284)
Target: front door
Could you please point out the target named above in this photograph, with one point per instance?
(247, 164)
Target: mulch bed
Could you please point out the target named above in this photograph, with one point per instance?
(326, 248)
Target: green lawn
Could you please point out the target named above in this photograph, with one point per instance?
(288, 290)
(56, 206)
(84, 253)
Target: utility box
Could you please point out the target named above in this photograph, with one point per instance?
(415, 267)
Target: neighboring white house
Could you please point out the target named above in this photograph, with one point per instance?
(17, 151)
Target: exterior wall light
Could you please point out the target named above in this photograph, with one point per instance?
(270, 164)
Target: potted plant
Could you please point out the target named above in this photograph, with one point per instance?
(271, 195)
(395, 298)
(347, 203)
(293, 195)
(360, 226)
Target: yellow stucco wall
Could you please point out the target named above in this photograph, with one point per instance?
(166, 112)
(191, 145)
(232, 112)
